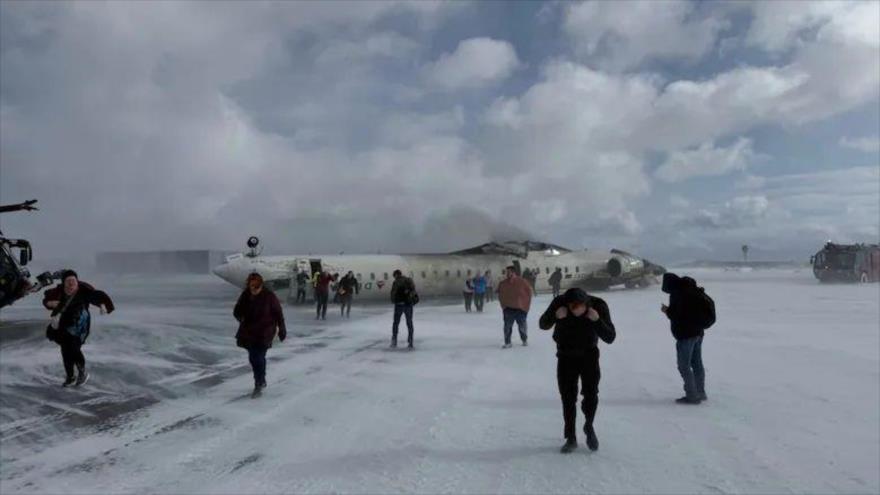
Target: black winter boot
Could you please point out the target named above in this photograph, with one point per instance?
(569, 446)
(592, 440)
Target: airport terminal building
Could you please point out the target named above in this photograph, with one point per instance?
(156, 262)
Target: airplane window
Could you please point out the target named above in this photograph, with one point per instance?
(469, 273)
(372, 276)
(577, 269)
(447, 273)
(424, 275)
(385, 275)
(435, 273)
(566, 269)
(458, 273)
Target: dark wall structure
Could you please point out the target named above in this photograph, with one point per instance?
(184, 261)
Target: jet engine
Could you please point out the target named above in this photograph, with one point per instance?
(621, 265)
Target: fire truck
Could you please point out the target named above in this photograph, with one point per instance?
(847, 263)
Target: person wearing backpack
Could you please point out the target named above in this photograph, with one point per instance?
(690, 311)
(404, 297)
(71, 321)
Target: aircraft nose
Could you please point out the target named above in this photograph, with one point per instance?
(222, 271)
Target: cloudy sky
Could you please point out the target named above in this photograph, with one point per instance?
(680, 130)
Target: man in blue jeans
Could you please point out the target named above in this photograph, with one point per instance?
(684, 323)
(515, 296)
(404, 297)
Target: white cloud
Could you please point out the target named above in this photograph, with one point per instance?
(739, 212)
(504, 113)
(792, 213)
(785, 24)
(706, 160)
(622, 35)
(326, 114)
(475, 63)
(865, 144)
(379, 45)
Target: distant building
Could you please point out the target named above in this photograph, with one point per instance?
(183, 261)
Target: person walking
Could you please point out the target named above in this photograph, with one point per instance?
(71, 321)
(348, 287)
(468, 292)
(302, 279)
(322, 294)
(259, 316)
(490, 286)
(404, 297)
(555, 281)
(515, 297)
(690, 313)
(579, 321)
(479, 292)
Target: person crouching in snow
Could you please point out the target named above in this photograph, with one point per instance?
(71, 321)
(580, 321)
(259, 315)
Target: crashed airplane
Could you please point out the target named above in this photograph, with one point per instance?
(444, 274)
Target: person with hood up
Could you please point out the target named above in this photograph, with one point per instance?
(259, 316)
(578, 321)
(71, 321)
(684, 321)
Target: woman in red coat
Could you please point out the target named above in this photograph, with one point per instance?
(259, 315)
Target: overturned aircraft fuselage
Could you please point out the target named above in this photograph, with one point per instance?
(444, 274)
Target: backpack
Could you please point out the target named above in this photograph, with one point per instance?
(412, 296)
(704, 310)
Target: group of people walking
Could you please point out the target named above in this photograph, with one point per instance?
(578, 320)
(323, 284)
(478, 290)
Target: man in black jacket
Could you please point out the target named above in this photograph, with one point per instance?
(555, 281)
(580, 321)
(404, 297)
(348, 287)
(683, 321)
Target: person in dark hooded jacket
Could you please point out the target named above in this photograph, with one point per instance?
(684, 297)
(579, 321)
(71, 321)
(259, 315)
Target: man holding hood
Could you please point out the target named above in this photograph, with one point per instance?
(684, 312)
(259, 315)
(579, 321)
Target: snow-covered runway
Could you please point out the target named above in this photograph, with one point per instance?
(793, 370)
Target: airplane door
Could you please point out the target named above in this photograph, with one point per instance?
(316, 266)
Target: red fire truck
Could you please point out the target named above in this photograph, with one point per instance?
(847, 263)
